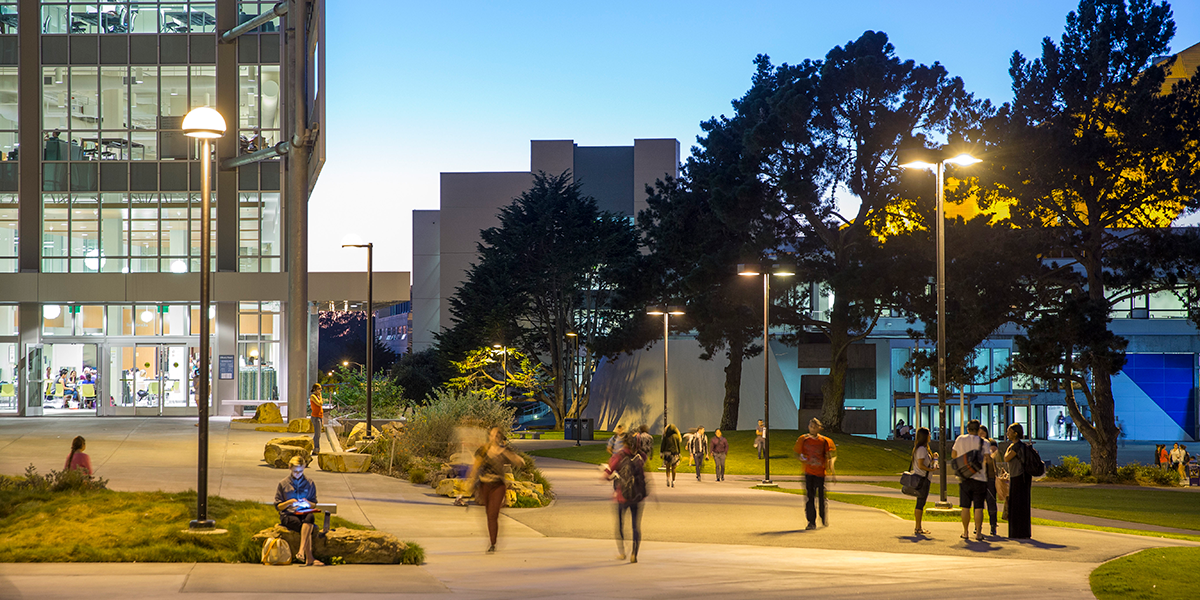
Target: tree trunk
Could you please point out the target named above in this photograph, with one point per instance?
(1105, 436)
(733, 388)
(833, 391)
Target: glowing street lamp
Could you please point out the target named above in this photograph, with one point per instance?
(921, 158)
(767, 270)
(205, 124)
(666, 312)
(354, 243)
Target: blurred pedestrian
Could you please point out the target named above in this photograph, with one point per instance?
(488, 478)
(818, 454)
(720, 449)
(1160, 456)
(687, 445)
(316, 407)
(1070, 430)
(698, 447)
(77, 459)
(760, 439)
(616, 441)
(670, 448)
(923, 462)
(627, 469)
(644, 442)
(1019, 505)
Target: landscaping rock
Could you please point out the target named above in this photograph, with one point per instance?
(272, 428)
(279, 455)
(300, 426)
(267, 413)
(294, 440)
(392, 429)
(344, 462)
(360, 430)
(453, 487)
(353, 545)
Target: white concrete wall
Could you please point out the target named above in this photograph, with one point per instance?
(426, 290)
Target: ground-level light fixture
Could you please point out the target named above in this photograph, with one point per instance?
(935, 160)
(206, 125)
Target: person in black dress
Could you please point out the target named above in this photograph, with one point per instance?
(1018, 506)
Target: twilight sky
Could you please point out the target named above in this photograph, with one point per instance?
(420, 88)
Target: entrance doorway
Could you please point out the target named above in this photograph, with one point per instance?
(154, 379)
(69, 379)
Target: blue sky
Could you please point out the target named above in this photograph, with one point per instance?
(420, 88)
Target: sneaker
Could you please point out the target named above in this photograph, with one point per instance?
(491, 549)
(633, 559)
(994, 534)
(621, 556)
(811, 527)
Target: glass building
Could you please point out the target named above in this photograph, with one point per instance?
(100, 206)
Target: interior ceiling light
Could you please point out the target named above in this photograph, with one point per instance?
(147, 316)
(51, 311)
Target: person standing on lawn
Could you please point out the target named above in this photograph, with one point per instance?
(487, 477)
(616, 442)
(627, 470)
(973, 489)
(818, 453)
(698, 447)
(1019, 505)
(670, 448)
(316, 407)
(720, 449)
(923, 462)
(760, 439)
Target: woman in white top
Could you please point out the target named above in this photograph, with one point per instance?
(923, 462)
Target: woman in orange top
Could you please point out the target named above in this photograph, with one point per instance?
(77, 459)
(314, 404)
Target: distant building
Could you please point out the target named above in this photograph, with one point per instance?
(393, 327)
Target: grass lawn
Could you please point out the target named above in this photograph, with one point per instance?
(558, 435)
(856, 455)
(903, 508)
(108, 526)
(1154, 573)
(1152, 507)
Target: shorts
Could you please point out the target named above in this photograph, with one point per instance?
(670, 458)
(294, 521)
(972, 493)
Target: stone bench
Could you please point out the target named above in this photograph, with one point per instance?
(537, 435)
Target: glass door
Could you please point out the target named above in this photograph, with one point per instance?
(146, 380)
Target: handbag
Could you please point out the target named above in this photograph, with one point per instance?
(909, 482)
(969, 463)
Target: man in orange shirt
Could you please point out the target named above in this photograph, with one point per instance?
(818, 454)
(318, 412)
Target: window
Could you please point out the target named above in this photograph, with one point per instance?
(84, 17)
(8, 233)
(259, 324)
(258, 232)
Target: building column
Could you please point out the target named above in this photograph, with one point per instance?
(225, 328)
(226, 195)
(29, 125)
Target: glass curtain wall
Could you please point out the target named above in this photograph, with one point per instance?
(73, 16)
(259, 325)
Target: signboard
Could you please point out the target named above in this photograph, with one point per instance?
(226, 366)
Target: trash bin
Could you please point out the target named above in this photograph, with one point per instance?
(570, 429)
(588, 426)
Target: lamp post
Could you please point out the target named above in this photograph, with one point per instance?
(370, 327)
(205, 124)
(666, 312)
(920, 158)
(767, 270)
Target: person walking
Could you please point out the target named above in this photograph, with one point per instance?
(487, 475)
(627, 470)
(77, 459)
(698, 447)
(617, 440)
(972, 488)
(1019, 505)
(760, 439)
(720, 449)
(924, 462)
(670, 448)
(316, 407)
(644, 442)
(818, 454)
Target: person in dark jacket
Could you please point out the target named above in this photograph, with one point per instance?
(670, 448)
(295, 499)
(720, 449)
(1019, 504)
(628, 462)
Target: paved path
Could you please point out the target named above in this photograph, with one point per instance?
(701, 539)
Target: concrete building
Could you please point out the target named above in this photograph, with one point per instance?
(100, 210)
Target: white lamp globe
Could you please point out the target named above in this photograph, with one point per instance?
(51, 311)
(204, 122)
(147, 316)
(179, 267)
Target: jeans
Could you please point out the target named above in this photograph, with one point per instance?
(814, 486)
(990, 501)
(719, 465)
(316, 425)
(699, 460)
(635, 524)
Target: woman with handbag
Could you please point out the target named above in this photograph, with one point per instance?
(923, 461)
(1019, 505)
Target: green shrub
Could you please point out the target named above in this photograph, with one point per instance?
(1071, 469)
(430, 431)
(414, 554)
(73, 480)
(418, 475)
(530, 472)
(1074, 470)
(349, 395)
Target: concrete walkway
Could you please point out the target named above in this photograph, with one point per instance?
(701, 539)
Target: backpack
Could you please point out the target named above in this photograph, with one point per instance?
(276, 551)
(645, 445)
(1031, 462)
(631, 477)
(969, 463)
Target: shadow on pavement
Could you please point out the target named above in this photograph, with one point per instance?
(1038, 544)
(789, 532)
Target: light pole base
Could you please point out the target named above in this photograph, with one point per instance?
(207, 524)
(942, 509)
(768, 483)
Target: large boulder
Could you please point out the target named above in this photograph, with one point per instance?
(300, 426)
(358, 432)
(268, 413)
(344, 462)
(279, 455)
(453, 488)
(392, 429)
(355, 546)
(294, 440)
